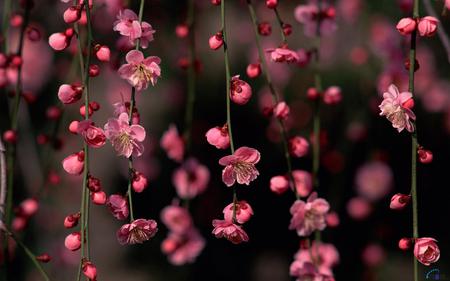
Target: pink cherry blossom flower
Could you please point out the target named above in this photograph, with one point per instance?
(140, 182)
(147, 34)
(243, 212)
(399, 201)
(173, 144)
(126, 140)
(283, 55)
(74, 163)
(136, 232)
(332, 95)
(373, 255)
(326, 256)
(240, 166)
(177, 219)
(93, 136)
(426, 250)
(279, 184)
(191, 179)
(89, 270)
(218, 136)
(68, 94)
(374, 180)
(227, 229)
(406, 26)
(298, 146)
(309, 216)
(127, 24)
(359, 208)
(118, 206)
(73, 241)
(240, 91)
(393, 108)
(183, 249)
(427, 26)
(281, 110)
(139, 71)
(307, 271)
(303, 182)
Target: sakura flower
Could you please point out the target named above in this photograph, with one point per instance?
(191, 179)
(309, 216)
(126, 140)
(374, 180)
(93, 136)
(127, 24)
(173, 144)
(227, 229)
(298, 146)
(136, 232)
(89, 270)
(283, 55)
(242, 209)
(139, 71)
(326, 256)
(68, 94)
(147, 34)
(177, 219)
(427, 26)
(394, 108)
(303, 182)
(183, 249)
(406, 26)
(74, 163)
(279, 184)
(218, 136)
(240, 166)
(240, 91)
(118, 206)
(426, 250)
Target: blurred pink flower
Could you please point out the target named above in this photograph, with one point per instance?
(279, 184)
(325, 254)
(240, 166)
(139, 71)
(426, 250)
(127, 24)
(298, 146)
(126, 140)
(182, 249)
(243, 212)
(358, 208)
(232, 232)
(138, 231)
(373, 255)
(393, 107)
(309, 216)
(173, 144)
(283, 55)
(191, 179)
(177, 219)
(303, 182)
(374, 180)
(309, 14)
(93, 136)
(118, 206)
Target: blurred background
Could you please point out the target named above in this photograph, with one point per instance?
(364, 160)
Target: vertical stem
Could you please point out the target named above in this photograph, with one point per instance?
(280, 23)
(2, 180)
(275, 99)
(5, 23)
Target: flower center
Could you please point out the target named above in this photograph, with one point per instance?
(142, 73)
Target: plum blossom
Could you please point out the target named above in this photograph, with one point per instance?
(309, 14)
(126, 139)
(326, 256)
(127, 24)
(139, 71)
(395, 106)
(426, 250)
(243, 212)
(93, 136)
(218, 136)
(309, 216)
(374, 180)
(283, 54)
(182, 249)
(240, 166)
(138, 231)
(227, 229)
(191, 179)
(118, 206)
(177, 219)
(173, 144)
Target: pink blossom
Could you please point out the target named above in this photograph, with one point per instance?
(137, 232)
(326, 256)
(73, 241)
(303, 182)
(307, 271)
(283, 55)
(72, 14)
(242, 209)
(309, 14)
(183, 249)
(279, 184)
(373, 255)
(93, 136)
(74, 163)
(173, 144)
(102, 53)
(59, 41)
(358, 208)
(126, 140)
(393, 108)
(399, 201)
(406, 26)
(28, 207)
(425, 156)
(140, 182)
(177, 219)
(139, 71)
(147, 34)
(281, 110)
(127, 24)
(332, 95)
(216, 41)
(118, 206)
(298, 146)
(218, 136)
(427, 26)
(98, 197)
(309, 216)
(89, 270)
(191, 179)
(240, 166)
(227, 229)
(404, 243)
(253, 70)
(240, 91)
(426, 250)
(374, 180)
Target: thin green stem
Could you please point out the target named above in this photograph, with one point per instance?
(275, 99)
(5, 24)
(280, 23)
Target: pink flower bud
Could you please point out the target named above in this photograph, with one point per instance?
(240, 92)
(28, 207)
(71, 220)
(73, 241)
(15, 61)
(427, 26)
(182, 30)
(94, 105)
(298, 146)
(45, 258)
(216, 2)
(271, 4)
(68, 94)
(19, 223)
(312, 93)
(53, 178)
(425, 156)
(103, 53)
(358, 208)
(69, 32)
(83, 110)
(139, 183)
(279, 184)
(264, 28)
(118, 206)
(98, 198)
(332, 95)
(73, 127)
(42, 139)
(253, 70)
(89, 270)
(72, 14)
(58, 41)
(332, 219)
(94, 70)
(53, 113)
(426, 250)
(218, 137)
(281, 110)
(94, 184)
(399, 201)
(287, 29)
(74, 163)
(406, 26)
(243, 212)
(404, 243)
(10, 136)
(16, 20)
(216, 41)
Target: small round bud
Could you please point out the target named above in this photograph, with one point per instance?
(404, 243)
(94, 70)
(10, 136)
(264, 29)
